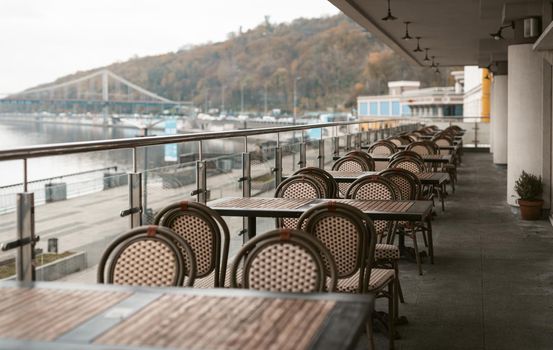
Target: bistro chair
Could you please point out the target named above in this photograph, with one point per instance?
(398, 140)
(445, 140)
(409, 187)
(382, 147)
(329, 184)
(284, 260)
(351, 163)
(297, 186)
(151, 256)
(421, 147)
(406, 154)
(412, 164)
(208, 235)
(363, 155)
(349, 236)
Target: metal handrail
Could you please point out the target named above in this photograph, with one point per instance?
(105, 145)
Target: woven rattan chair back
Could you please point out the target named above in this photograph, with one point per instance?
(297, 186)
(404, 154)
(148, 256)
(284, 260)
(407, 183)
(206, 232)
(351, 163)
(420, 147)
(412, 164)
(347, 234)
(382, 147)
(363, 155)
(330, 185)
(443, 141)
(378, 188)
(397, 140)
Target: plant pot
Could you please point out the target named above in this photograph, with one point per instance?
(530, 209)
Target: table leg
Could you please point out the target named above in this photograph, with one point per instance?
(430, 241)
(251, 229)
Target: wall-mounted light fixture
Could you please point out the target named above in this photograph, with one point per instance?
(499, 34)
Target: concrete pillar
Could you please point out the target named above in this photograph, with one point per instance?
(499, 119)
(526, 146)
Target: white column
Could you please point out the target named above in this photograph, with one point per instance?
(525, 121)
(499, 119)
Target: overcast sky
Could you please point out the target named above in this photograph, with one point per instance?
(41, 40)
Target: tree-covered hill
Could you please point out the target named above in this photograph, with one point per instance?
(336, 59)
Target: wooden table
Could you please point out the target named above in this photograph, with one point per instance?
(430, 178)
(429, 158)
(255, 207)
(56, 316)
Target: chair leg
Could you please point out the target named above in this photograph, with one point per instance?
(417, 255)
(391, 312)
(399, 291)
(370, 333)
(430, 242)
(423, 236)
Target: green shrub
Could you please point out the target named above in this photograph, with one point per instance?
(529, 186)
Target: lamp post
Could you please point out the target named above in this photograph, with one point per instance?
(265, 100)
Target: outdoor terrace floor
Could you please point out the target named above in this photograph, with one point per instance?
(491, 286)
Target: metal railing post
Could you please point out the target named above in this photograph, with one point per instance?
(336, 146)
(25, 259)
(201, 181)
(245, 180)
(358, 141)
(303, 155)
(476, 141)
(278, 166)
(135, 200)
(321, 156)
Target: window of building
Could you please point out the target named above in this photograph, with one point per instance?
(373, 106)
(395, 108)
(363, 108)
(384, 108)
(405, 110)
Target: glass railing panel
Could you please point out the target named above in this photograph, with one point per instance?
(76, 217)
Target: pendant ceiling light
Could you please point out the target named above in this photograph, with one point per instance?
(389, 16)
(433, 65)
(407, 36)
(418, 49)
(437, 68)
(426, 59)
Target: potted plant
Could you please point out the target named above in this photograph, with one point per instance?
(529, 189)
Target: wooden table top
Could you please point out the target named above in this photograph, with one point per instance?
(49, 315)
(290, 208)
(429, 178)
(430, 158)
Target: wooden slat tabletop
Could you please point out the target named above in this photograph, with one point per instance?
(43, 314)
(377, 210)
(196, 322)
(429, 178)
(48, 315)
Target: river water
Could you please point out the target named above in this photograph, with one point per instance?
(13, 135)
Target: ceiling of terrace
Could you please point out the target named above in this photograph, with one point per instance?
(457, 32)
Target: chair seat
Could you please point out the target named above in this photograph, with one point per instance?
(379, 279)
(386, 252)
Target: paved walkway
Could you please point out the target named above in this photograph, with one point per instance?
(491, 286)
